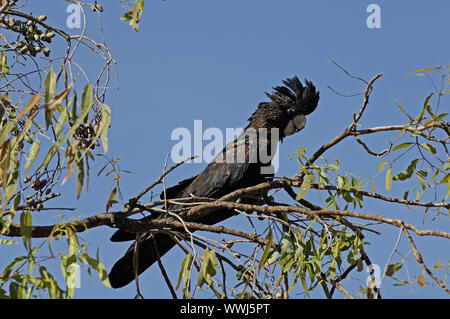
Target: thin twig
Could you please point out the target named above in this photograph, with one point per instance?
(419, 259)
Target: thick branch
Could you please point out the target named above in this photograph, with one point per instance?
(119, 220)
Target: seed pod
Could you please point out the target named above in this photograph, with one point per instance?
(46, 51)
(50, 34)
(29, 22)
(98, 7)
(42, 183)
(37, 48)
(27, 179)
(32, 51)
(42, 18)
(36, 37)
(11, 22)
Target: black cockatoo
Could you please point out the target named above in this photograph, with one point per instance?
(243, 163)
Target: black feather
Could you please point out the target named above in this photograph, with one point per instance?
(220, 177)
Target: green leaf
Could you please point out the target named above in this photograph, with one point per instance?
(7, 242)
(49, 157)
(429, 148)
(266, 250)
(425, 104)
(445, 179)
(403, 175)
(34, 150)
(393, 268)
(306, 185)
(208, 268)
(14, 290)
(4, 67)
(111, 199)
(285, 253)
(388, 180)
(80, 174)
(382, 165)
(98, 267)
(421, 175)
(104, 125)
(86, 101)
(12, 179)
(26, 222)
(332, 268)
(6, 130)
(11, 266)
(134, 15)
(185, 273)
(50, 283)
(62, 118)
(184, 265)
(305, 285)
(50, 85)
(74, 107)
(333, 167)
(400, 146)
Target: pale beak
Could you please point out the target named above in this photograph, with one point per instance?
(295, 125)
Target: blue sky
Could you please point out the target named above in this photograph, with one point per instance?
(213, 61)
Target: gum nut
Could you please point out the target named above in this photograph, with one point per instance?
(37, 49)
(50, 35)
(46, 51)
(42, 18)
(29, 22)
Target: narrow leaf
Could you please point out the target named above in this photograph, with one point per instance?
(111, 199)
(50, 85)
(388, 180)
(400, 146)
(306, 185)
(86, 101)
(34, 101)
(266, 250)
(34, 150)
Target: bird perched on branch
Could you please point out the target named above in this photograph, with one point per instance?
(243, 163)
